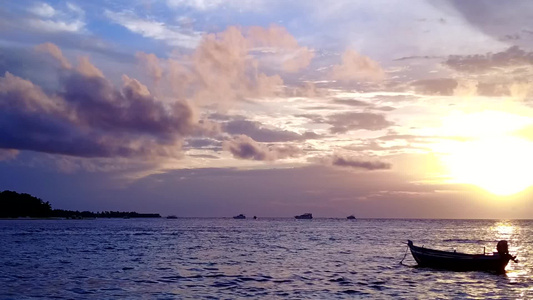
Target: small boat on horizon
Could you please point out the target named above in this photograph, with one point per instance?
(454, 261)
(240, 217)
(351, 217)
(172, 217)
(304, 216)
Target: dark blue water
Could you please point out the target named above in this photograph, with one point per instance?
(265, 258)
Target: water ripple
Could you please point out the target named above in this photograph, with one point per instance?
(267, 258)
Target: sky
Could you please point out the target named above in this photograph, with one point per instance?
(199, 108)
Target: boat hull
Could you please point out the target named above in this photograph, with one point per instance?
(457, 261)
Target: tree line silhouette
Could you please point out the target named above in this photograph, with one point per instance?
(15, 205)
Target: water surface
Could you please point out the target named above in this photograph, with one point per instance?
(264, 258)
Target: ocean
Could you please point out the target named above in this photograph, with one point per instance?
(190, 258)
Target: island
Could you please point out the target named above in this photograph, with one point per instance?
(306, 216)
(15, 205)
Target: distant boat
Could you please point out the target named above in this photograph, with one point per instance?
(255, 217)
(172, 217)
(304, 216)
(461, 261)
(350, 217)
(241, 216)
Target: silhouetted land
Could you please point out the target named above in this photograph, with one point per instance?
(15, 205)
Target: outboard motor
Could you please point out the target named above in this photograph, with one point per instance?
(503, 248)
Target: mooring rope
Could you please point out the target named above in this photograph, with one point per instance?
(405, 255)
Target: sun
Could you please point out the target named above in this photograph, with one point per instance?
(502, 165)
(490, 156)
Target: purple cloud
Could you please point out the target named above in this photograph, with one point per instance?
(359, 164)
(512, 57)
(89, 117)
(244, 147)
(439, 86)
(261, 134)
(344, 122)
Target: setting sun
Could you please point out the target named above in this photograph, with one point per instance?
(502, 166)
(491, 157)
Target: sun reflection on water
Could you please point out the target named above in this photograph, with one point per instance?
(514, 276)
(503, 230)
(506, 230)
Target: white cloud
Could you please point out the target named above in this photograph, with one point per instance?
(205, 5)
(49, 19)
(155, 30)
(43, 10)
(75, 8)
(56, 26)
(197, 4)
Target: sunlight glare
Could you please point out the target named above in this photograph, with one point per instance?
(502, 166)
(491, 158)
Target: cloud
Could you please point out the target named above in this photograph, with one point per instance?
(417, 57)
(439, 86)
(87, 69)
(173, 36)
(298, 60)
(356, 67)
(466, 88)
(261, 134)
(492, 89)
(352, 102)
(359, 164)
(512, 57)
(152, 65)
(272, 36)
(56, 26)
(223, 71)
(349, 121)
(519, 89)
(362, 104)
(76, 9)
(489, 16)
(55, 52)
(203, 143)
(305, 89)
(225, 66)
(279, 42)
(8, 154)
(344, 122)
(88, 117)
(46, 18)
(244, 147)
(316, 118)
(42, 10)
(212, 5)
(197, 4)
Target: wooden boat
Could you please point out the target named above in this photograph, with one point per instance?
(454, 261)
(241, 216)
(304, 216)
(351, 217)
